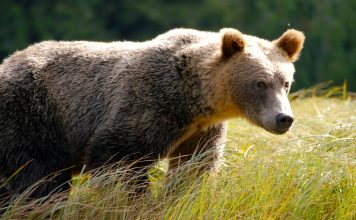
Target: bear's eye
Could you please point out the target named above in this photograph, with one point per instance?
(261, 85)
(286, 85)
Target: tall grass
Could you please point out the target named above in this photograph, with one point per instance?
(308, 173)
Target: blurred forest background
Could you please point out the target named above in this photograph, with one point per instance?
(329, 25)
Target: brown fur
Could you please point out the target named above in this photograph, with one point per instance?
(232, 42)
(292, 43)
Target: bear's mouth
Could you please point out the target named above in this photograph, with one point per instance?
(276, 131)
(273, 128)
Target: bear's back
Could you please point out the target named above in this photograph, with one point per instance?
(86, 79)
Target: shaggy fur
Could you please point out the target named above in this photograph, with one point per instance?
(68, 104)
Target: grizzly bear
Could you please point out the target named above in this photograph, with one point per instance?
(65, 105)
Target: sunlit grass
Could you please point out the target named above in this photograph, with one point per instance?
(308, 173)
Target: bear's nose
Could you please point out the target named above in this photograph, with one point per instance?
(283, 122)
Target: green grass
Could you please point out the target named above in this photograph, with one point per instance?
(308, 173)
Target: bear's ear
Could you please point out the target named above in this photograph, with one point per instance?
(292, 43)
(232, 42)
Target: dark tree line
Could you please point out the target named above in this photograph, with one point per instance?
(329, 25)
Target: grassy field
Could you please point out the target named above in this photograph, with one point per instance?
(308, 173)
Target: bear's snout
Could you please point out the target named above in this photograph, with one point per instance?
(283, 122)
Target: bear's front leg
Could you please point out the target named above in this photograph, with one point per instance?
(117, 147)
(207, 146)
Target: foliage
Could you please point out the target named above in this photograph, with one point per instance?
(330, 49)
(308, 173)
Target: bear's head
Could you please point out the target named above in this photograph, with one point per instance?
(259, 75)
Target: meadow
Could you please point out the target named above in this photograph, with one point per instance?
(307, 173)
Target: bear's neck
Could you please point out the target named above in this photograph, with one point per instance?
(204, 76)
